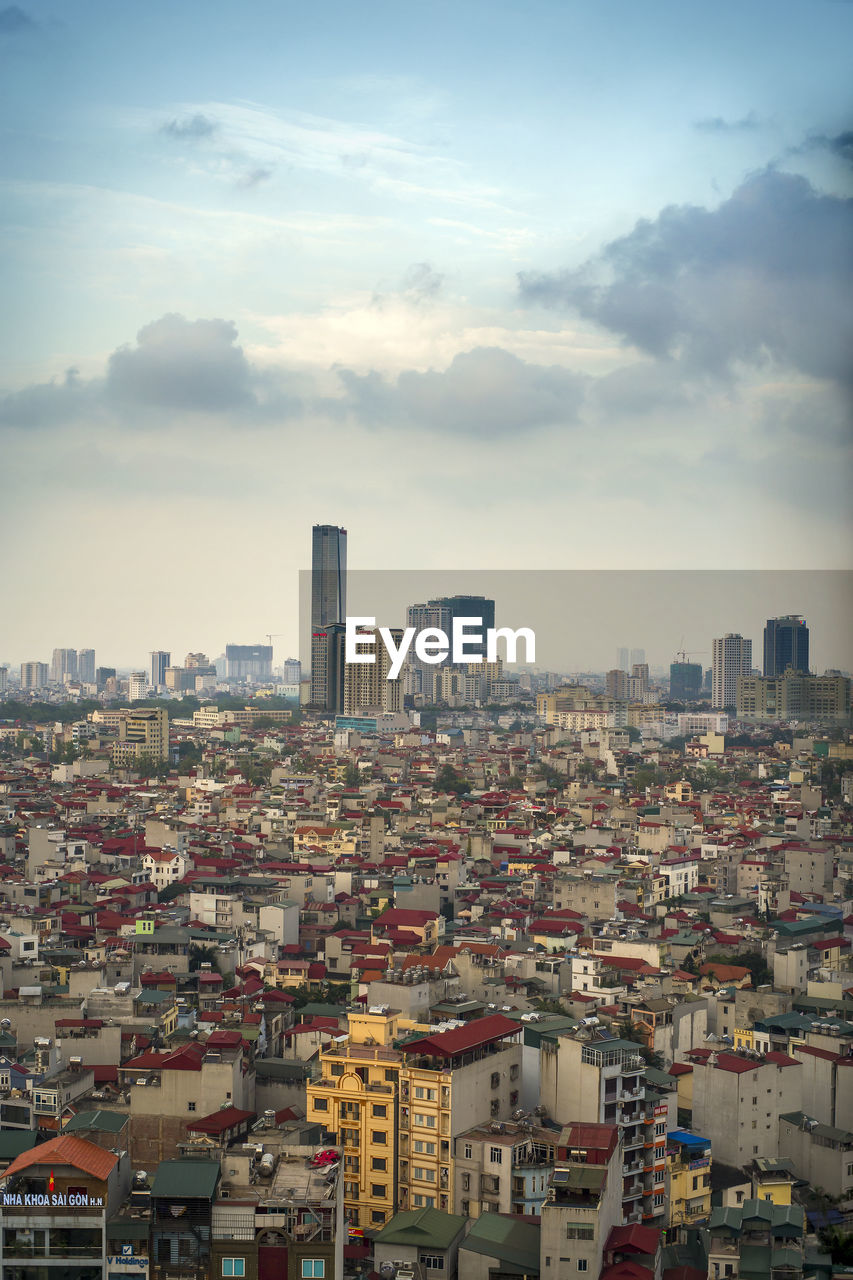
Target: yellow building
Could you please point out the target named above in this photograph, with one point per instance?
(772, 1179)
(688, 1165)
(395, 1112)
(142, 735)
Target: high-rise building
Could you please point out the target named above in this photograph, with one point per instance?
(792, 696)
(63, 666)
(786, 645)
(638, 656)
(616, 683)
(137, 686)
(328, 609)
(34, 675)
(103, 674)
(328, 574)
(160, 660)
(366, 687)
(142, 734)
(86, 666)
(4, 678)
(685, 681)
(292, 671)
(248, 662)
(622, 659)
(731, 658)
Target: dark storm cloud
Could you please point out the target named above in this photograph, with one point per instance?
(13, 19)
(192, 128)
(767, 274)
(182, 364)
(716, 124)
(839, 144)
(484, 392)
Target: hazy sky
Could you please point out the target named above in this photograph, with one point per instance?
(539, 286)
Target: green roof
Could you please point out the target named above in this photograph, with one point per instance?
(422, 1227)
(515, 1244)
(186, 1179)
(15, 1141)
(105, 1121)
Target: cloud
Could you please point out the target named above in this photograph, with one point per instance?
(716, 124)
(768, 274)
(485, 392)
(192, 128)
(421, 283)
(255, 177)
(182, 364)
(839, 145)
(13, 19)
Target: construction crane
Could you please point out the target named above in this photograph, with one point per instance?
(273, 635)
(683, 654)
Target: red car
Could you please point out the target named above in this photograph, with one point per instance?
(322, 1158)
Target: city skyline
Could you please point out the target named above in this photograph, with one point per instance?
(258, 259)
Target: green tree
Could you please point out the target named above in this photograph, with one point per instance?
(449, 779)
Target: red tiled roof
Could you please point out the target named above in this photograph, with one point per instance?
(67, 1150)
(220, 1121)
(446, 1044)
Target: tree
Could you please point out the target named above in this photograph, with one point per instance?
(449, 779)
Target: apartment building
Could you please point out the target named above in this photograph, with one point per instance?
(688, 1173)
(503, 1167)
(582, 1075)
(583, 1203)
(142, 735)
(738, 1098)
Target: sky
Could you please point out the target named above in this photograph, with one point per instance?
(550, 286)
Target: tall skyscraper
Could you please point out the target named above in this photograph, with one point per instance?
(328, 610)
(328, 574)
(731, 657)
(137, 686)
(638, 657)
(63, 666)
(786, 645)
(160, 660)
(366, 687)
(622, 659)
(292, 671)
(86, 666)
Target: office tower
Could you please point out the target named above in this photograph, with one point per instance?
(180, 679)
(292, 671)
(137, 686)
(366, 687)
(638, 656)
(248, 662)
(200, 664)
(86, 666)
(160, 660)
(786, 645)
(103, 674)
(622, 659)
(805, 698)
(732, 657)
(328, 574)
(142, 735)
(63, 666)
(685, 681)
(328, 609)
(34, 675)
(4, 679)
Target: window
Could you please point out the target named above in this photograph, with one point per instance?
(580, 1231)
(378, 1190)
(233, 1266)
(465, 1207)
(422, 1174)
(390, 1074)
(513, 1071)
(313, 1268)
(494, 1107)
(379, 1164)
(468, 1151)
(190, 1106)
(513, 1098)
(321, 1104)
(495, 1155)
(583, 1265)
(425, 1121)
(658, 1199)
(496, 1079)
(423, 1148)
(379, 1137)
(423, 1202)
(377, 1216)
(380, 1110)
(432, 1261)
(427, 1095)
(466, 1182)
